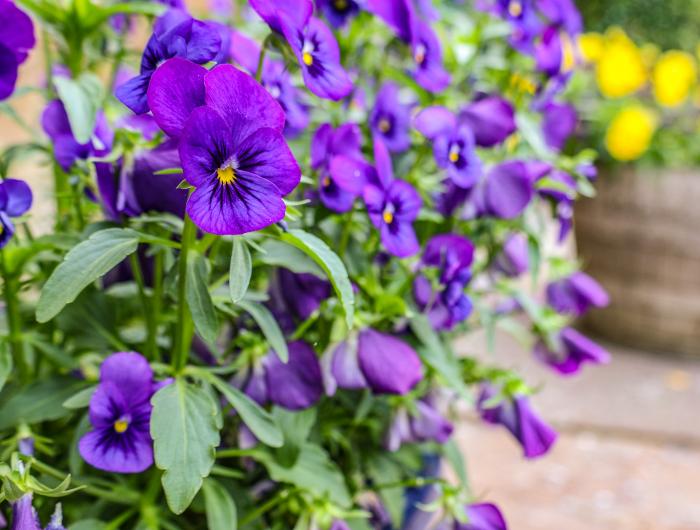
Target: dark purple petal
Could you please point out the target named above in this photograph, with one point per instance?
(399, 15)
(295, 13)
(400, 239)
(206, 42)
(576, 349)
(24, 516)
(351, 174)
(390, 119)
(8, 72)
(429, 424)
(549, 53)
(339, 525)
(245, 51)
(15, 197)
(346, 140)
(302, 293)
(130, 373)
(134, 93)
(563, 13)
(406, 200)
(176, 89)
(508, 190)
(320, 145)
(576, 294)
(298, 384)
(451, 251)
(7, 229)
(434, 121)
(491, 119)
(241, 101)
(333, 196)
(110, 451)
(427, 53)
(338, 12)
(389, 365)
(266, 154)
(17, 30)
(559, 121)
(54, 120)
(152, 192)
(483, 516)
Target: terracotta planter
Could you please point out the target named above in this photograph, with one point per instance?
(641, 239)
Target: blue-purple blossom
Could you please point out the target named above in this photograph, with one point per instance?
(338, 12)
(427, 54)
(15, 200)
(491, 119)
(446, 303)
(25, 516)
(120, 414)
(425, 424)
(573, 350)
(559, 121)
(276, 13)
(453, 145)
(301, 294)
(576, 293)
(230, 142)
(507, 190)
(389, 365)
(514, 258)
(175, 34)
(16, 39)
(517, 415)
(482, 516)
(390, 118)
(67, 150)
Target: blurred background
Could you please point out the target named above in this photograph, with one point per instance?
(628, 456)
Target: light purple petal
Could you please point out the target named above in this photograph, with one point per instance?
(389, 365)
(434, 121)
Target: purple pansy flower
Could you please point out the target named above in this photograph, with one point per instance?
(392, 206)
(425, 425)
(231, 145)
(302, 294)
(399, 15)
(175, 34)
(276, 80)
(482, 516)
(507, 190)
(452, 255)
(491, 119)
(453, 145)
(338, 12)
(575, 349)
(336, 155)
(514, 258)
(517, 415)
(67, 150)
(427, 54)
(389, 365)
(276, 13)
(559, 121)
(390, 118)
(120, 413)
(523, 19)
(576, 293)
(319, 59)
(15, 200)
(563, 14)
(16, 39)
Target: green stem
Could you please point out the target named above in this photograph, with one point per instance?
(156, 300)
(62, 191)
(235, 453)
(262, 510)
(14, 321)
(147, 314)
(261, 59)
(183, 329)
(345, 235)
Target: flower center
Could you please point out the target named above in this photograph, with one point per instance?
(326, 182)
(454, 154)
(121, 425)
(226, 175)
(419, 54)
(307, 58)
(341, 5)
(384, 125)
(388, 214)
(515, 8)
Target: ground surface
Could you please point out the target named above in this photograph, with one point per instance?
(628, 457)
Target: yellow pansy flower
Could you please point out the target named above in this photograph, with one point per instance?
(674, 76)
(630, 132)
(591, 46)
(620, 70)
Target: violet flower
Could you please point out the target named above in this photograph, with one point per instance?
(491, 119)
(453, 145)
(175, 34)
(390, 119)
(559, 121)
(339, 525)
(389, 365)
(507, 190)
(231, 145)
(392, 206)
(15, 200)
(25, 516)
(301, 294)
(67, 150)
(276, 13)
(399, 15)
(276, 80)
(523, 19)
(514, 258)
(576, 293)
(453, 255)
(318, 54)
(16, 39)
(120, 414)
(427, 54)
(575, 349)
(425, 425)
(517, 415)
(482, 516)
(338, 12)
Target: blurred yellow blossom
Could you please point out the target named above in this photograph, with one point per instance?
(620, 70)
(591, 46)
(629, 133)
(674, 76)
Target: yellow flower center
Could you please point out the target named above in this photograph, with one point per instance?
(340, 5)
(454, 154)
(384, 125)
(515, 8)
(388, 217)
(307, 58)
(326, 182)
(121, 426)
(226, 175)
(2, 228)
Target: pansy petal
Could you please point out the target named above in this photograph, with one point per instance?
(133, 456)
(17, 30)
(19, 197)
(320, 145)
(399, 15)
(247, 205)
(407, 200)
(54, 120)
(234, 94)
(8, 72)
(245, 51)
(400, 239)
(351, 174)
(176, 89)
(131, 373)
(346, 140)
(382, 163)
(389, 365)
(295, 12)
(204, 43)
(297, 384)
(267, 154)
(134, 92)
(433, 121)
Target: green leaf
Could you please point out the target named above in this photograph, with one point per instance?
(81, 98)
(221, 509)
(331, 264)
(437, 356)
(81, 399)
(531, 131)
(280, 254)
(240, 270)
(86, 262)
(199, 299)
(296, 426)
(255, 417)
(268, 325)
(313, 471)
(39, 401)
(88, 524)
(453, 455)
(5, 364)
(185, 435)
